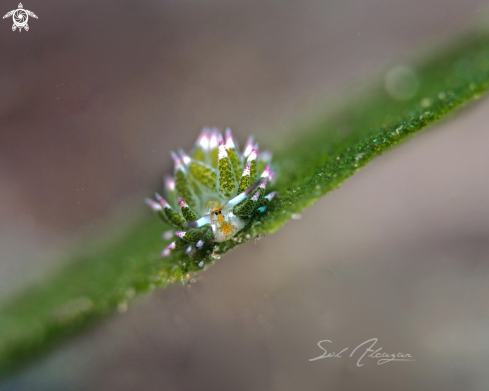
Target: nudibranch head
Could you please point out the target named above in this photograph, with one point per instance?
(214, 191)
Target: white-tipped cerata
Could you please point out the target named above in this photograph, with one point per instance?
(214, 191)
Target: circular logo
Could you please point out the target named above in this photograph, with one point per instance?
(20, 17)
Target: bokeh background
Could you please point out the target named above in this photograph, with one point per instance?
(96, 94)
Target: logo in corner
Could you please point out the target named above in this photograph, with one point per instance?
(20, 16)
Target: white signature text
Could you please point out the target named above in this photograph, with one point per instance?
(364, 350)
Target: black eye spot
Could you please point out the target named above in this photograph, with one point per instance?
(220, 213)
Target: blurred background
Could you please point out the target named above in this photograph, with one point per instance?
(95, 95)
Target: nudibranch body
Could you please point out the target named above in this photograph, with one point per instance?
(214, 191)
